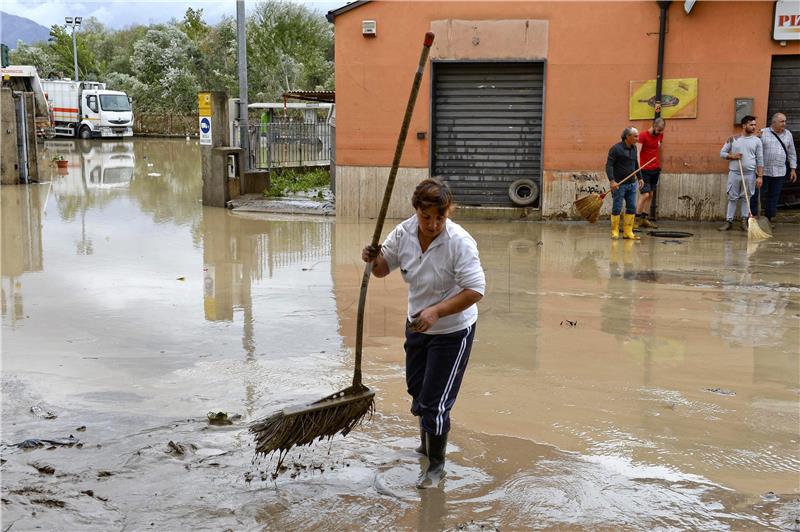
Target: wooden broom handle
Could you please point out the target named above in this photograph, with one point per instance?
(636, 171)
(744, 187)
(387, 196)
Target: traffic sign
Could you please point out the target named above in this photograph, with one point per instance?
(205, 130)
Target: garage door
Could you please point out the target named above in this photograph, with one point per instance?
(487, 128)
(784, 97)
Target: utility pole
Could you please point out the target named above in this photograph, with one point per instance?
(74, 23)
(241, 40)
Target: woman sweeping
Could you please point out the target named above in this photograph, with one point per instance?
(439, 261)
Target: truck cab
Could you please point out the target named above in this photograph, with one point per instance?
(105, 113)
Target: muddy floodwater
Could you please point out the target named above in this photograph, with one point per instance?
(612, 385)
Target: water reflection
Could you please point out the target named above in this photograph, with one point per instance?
(94, 165)
(22, 209)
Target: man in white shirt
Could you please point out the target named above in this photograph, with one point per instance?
(780, 164)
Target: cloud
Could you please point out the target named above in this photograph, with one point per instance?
(122, 13)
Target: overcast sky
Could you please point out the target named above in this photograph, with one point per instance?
(122, 13)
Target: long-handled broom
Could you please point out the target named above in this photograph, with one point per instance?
(589, 206)
(343, 410)
(754, 231)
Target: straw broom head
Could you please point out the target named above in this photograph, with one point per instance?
(754, 231)
(301, 425)
(589, 207)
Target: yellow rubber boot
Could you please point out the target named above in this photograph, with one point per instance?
(628, 228)
(615, 226)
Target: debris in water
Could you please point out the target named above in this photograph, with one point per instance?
(38, 411)
(103, 473)
(82, 428)
(569, 323)
(720, 391)
(181, 278)
(44, 469)
(770, 496)
(51, 503)
(180, 449)
(33, 443)
(222, 418)
(153, 174)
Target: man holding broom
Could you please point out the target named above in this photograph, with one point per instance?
(746, 148)
(621, 163)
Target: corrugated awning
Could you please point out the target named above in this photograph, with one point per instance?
(311, 96)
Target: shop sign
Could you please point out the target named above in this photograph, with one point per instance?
(787, 21)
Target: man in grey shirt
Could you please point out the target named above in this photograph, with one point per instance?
(780, 164)
(747, 149)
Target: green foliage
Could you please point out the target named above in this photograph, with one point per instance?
(292, 181)
(289, 47)
(163, 66)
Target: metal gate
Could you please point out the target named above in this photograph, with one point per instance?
(784, 97)
(487, 128)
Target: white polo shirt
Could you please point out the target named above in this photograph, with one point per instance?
(448, 266)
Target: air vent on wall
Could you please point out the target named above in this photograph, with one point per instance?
(369, 28)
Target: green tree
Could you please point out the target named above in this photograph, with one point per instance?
(288, 48)
(61, 48)
(164, 62)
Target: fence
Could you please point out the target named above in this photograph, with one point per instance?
(166, 125)
(288, 144)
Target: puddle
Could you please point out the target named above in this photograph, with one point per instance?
(612, 384)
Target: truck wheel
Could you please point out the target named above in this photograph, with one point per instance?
(85, 133)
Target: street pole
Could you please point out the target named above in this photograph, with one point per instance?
(74, 23)
(241, 40)
(75, 52)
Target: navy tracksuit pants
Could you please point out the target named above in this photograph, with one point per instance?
(435, 365)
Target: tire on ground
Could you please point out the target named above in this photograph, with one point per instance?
(523, 192)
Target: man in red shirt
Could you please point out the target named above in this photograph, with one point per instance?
(650, 142)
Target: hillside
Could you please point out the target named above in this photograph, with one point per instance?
(14, 28)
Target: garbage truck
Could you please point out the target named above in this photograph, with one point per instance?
(86, 109)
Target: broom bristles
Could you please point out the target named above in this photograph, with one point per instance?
(754, 231)
(589, 207)
(290, 427)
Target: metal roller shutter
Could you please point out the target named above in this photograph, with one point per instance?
(784, 97)
(487, 128)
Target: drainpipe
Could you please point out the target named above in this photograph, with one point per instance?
(662, 36)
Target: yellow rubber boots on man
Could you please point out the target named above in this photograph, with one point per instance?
(627, 232)
(615, 226)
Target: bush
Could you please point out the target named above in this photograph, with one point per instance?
(293, 181)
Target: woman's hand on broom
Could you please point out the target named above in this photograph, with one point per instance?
(370, 253)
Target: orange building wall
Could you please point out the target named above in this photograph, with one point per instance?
(594, 50)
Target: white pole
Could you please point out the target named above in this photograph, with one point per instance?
(241, 39)
(75, 51)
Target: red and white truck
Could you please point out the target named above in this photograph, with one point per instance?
(85, 109)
